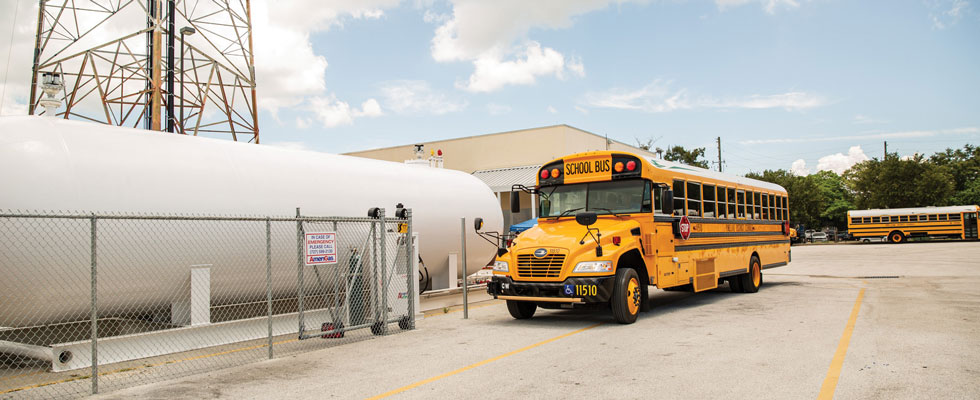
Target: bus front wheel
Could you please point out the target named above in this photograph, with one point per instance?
(896, 237)
(521, 309)
(626, 296)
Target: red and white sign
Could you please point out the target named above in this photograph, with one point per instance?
(321, 248)
(685, 227)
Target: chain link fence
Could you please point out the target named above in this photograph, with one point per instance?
(94, 303)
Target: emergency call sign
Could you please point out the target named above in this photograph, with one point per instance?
(321, 248)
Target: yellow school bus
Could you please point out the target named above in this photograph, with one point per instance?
(610, 224)
(900, 224)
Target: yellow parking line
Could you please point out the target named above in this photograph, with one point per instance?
(833, 374)
(484, 362)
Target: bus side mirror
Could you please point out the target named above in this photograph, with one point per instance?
(586, 218)
(668, 205)
(515, 201)
(478, 224)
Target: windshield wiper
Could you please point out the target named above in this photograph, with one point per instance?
(610, 211)
(564, 213)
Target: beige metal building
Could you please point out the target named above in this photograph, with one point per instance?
(507, 158)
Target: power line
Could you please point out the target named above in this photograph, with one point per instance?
(10, 47)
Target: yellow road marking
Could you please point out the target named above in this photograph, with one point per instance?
(833, 374)
(484, 362)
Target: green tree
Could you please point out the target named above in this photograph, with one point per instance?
(897, 183)
(964, 165)
(690, 157)
(835, 199)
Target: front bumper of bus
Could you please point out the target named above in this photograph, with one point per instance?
(572, 290)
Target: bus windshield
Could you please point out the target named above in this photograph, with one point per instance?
(614, 197)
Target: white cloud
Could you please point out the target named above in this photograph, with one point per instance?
(303, 123)
(799, 168)
(288, 71)
(492, 73)
(498, 109)
(864, 119)
(583, 110)
(769, 5)
(890, 135)
(840, 162)
(658, 96)
(417, 97)
(485, 34)
(946, 13)
(552, 110)
(332, 112)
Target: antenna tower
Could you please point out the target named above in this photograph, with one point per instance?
(138, 63)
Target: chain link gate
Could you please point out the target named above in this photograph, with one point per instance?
(156, 297)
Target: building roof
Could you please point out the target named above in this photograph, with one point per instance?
(912, 211)
(502, 179)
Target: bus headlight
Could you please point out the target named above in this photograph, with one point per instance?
(593, 266)
(500, 266)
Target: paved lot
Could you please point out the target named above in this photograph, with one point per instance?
(914, 336)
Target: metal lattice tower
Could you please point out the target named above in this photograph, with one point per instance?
(121, 64)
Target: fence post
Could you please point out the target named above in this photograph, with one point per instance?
(462, 230)
(268, 277)
(299, 271)
(411, 257)
(384, 273)
(95, 313)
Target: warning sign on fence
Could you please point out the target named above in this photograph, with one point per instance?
(321, 248)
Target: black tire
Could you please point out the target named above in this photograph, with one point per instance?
(405, 323)
(896, 237)
(625, 301)
(521, 309)
(751, 281)
(644, 297)
(735, 283)
(379, 328)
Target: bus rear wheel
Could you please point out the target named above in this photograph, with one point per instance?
(750, 282)
(896, 237)
(626, 296)
(521, 309)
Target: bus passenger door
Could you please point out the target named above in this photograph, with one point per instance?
(969, 225)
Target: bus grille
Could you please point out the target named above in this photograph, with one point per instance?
(548, 266)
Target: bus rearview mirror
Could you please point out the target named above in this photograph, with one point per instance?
(586, 218)
(668, 205)
(515, 201)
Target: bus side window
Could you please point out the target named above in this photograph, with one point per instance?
(679, 198)
(741, 203)
(693, 199)
(722, 209)
(894, 218)
(954, 217)
(903, 218)
(922, 217)
(875, 220)
(765, 206)
(942, 217)
(731, 202)
(709, 201)
(758, 205)
(932, 217)
(867, 220)
(855, 220)
(772, 207)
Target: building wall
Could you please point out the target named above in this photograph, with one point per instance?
(505, 149)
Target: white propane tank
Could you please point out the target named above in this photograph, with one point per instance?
(79, 167)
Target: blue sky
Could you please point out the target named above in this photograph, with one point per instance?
(779, 81)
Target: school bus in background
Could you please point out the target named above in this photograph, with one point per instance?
(900, 224)
(610, 224)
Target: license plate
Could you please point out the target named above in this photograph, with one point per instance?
(581, 290)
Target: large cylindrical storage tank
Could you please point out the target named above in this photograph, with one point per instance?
(78, 167)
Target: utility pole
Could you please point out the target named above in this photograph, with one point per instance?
(886, 150)
(719, 153)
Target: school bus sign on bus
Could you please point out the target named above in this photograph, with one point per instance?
(612, 224)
